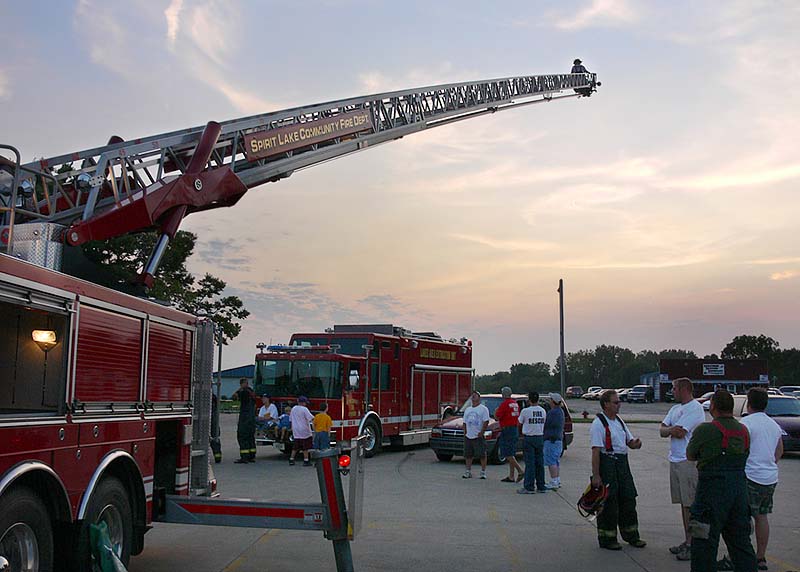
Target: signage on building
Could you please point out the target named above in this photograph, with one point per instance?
(763, 377)
(713, 369)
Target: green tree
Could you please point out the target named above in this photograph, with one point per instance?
(750, 347)
(122, 258)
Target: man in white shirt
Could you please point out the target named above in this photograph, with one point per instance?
(610, 440)
(766, 447)
(267, 414)
(678, 425)
(476, 419)
(302, 434)
(532, 420)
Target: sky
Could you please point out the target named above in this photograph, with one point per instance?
(667, 202)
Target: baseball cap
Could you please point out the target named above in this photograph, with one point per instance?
(302, 399)
(556, 397)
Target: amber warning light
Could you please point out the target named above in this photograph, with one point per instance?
(45, 339)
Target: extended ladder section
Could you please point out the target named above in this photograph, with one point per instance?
(154, 182)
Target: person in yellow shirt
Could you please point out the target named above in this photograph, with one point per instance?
(322, 429)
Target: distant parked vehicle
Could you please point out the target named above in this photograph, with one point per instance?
(705, 397)
(623, 393)
(642, 394)
(574, 391)
(593, 393)
(786, 389)
(669, 396)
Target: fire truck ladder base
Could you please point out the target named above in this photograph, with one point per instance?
(340, 523)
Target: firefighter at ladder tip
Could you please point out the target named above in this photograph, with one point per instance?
(246, 428)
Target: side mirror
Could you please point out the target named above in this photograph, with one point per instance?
(353, 379)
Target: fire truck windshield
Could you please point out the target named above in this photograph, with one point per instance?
(290, 378)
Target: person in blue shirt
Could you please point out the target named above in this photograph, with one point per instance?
(577, 67)
(284, 423)
(553, 439)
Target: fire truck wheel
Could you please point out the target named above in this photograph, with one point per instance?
(109, 504)
(373, 433)
(26, 532)
(444, 457)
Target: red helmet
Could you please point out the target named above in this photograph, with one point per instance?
(592, 501)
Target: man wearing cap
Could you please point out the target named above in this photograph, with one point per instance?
(577, 67)
(553, 439)
(267, 415)
(301, 420)
(507, 414)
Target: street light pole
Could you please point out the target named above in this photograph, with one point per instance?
(562, 363)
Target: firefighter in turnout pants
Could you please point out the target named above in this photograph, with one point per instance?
(720, 503)
(246, 429)
(610, 440)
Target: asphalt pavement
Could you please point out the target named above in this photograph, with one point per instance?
(421, 515)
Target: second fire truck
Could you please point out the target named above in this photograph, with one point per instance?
(382, 381)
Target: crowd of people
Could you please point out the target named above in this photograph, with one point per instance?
(542, 439)
(308, 431)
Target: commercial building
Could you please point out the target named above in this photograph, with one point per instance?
(735, 375)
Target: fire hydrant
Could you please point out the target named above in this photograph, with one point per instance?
(585, 414)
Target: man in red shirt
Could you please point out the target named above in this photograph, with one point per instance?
(507, 414)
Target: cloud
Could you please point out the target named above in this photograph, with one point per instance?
(771, 261)
(217, 253)
(743, 178)
(173, 23)
(374, 81)
(785, 275)
(508, 245)
(5, 90)
(599, 13)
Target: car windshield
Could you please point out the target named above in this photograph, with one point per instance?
(491, 404)
(312, 378)
(783, 408)
(790, 388)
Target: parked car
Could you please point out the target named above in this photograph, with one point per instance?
(785, 410)
(669, 396)
(774, 391)
(593, 393)
(623, 393)
(641, 393)
(786, 389)
(574, 391)
(447, 438)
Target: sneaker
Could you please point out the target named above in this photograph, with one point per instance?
(678, 548)
(541, 490)
(466, 475)
(306, 463)
(684, 553)
(483, 475)
(524, 491)
(291, 461)
(553, 486)
(762, 564)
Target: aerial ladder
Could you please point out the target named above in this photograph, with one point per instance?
(155, 182)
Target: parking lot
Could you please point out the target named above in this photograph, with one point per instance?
(421, 515)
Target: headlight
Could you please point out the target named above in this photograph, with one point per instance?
(487, 434)
(784, 433)
(436, 432)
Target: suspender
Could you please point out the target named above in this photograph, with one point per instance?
(728, 433)
(604, 421)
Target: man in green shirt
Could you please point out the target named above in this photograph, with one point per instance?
(720, 506)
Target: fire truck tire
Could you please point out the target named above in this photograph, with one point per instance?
(26, 531)
(110, 503)
(373, 446)
(444, 457)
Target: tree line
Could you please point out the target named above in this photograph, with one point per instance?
(615, 366)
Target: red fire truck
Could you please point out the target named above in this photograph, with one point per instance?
(382, 381)
(105, 398)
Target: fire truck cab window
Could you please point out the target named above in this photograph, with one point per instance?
(287, 378)
(32, 366)
(383, 382)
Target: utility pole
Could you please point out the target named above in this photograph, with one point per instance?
(562, 362)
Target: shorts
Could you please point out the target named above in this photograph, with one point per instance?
(322, 440)
(303, 444)
(759, 497)
(682, 482)
(508, 441)
(552, 453)
(475, 447)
